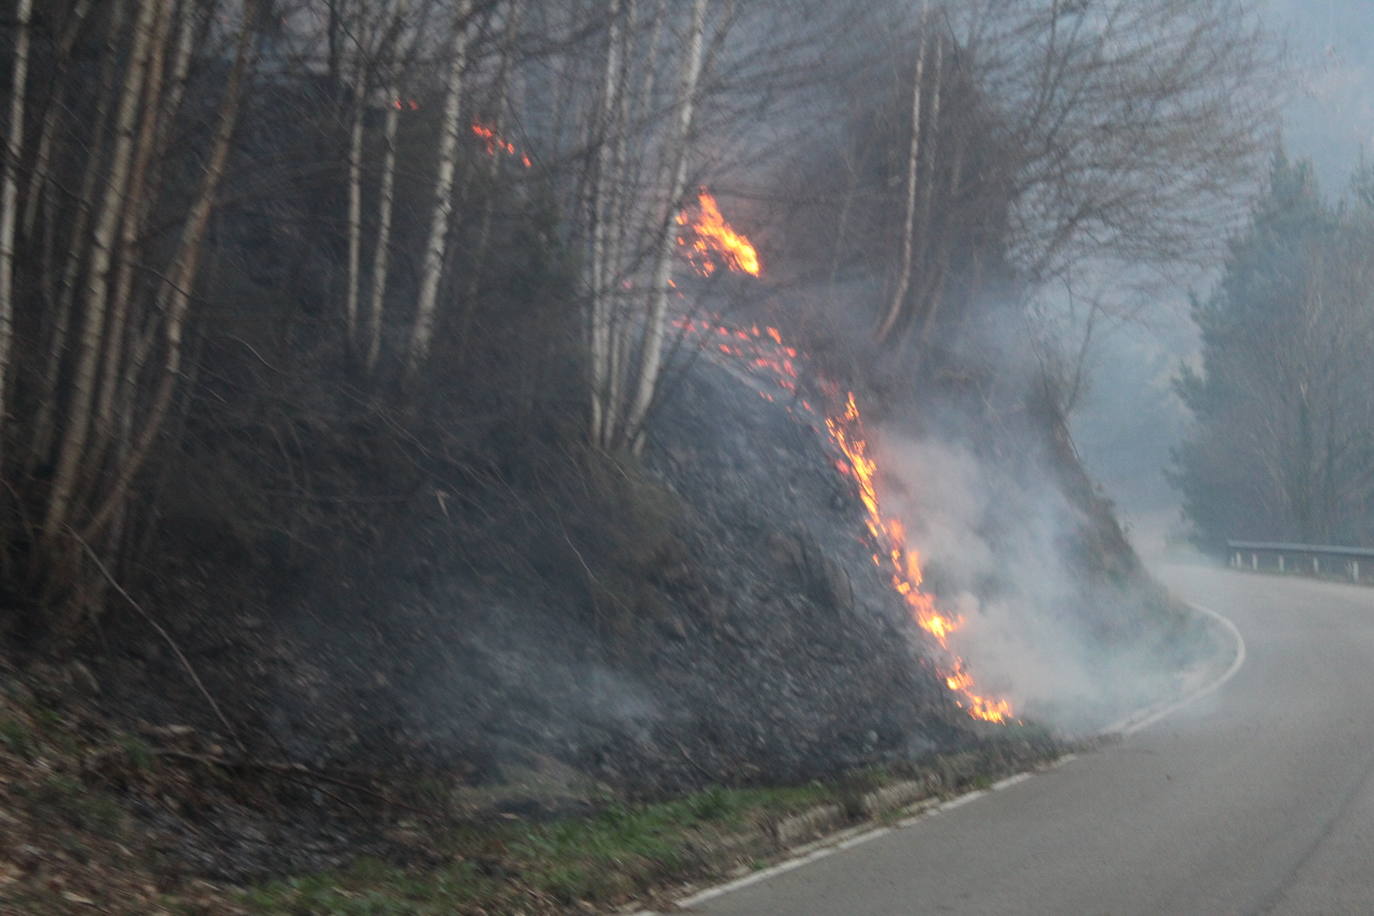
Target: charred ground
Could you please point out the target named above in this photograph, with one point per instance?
(288, 604)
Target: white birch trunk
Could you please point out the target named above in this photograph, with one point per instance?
(604, 410)
(436, 247)
(175, 297)
(514, 10)
(651, 353)
(44, 424)
(74, 436)
(131, 227)
(617, 218)
(632, 171)
(42, 163)
(894, 309)
(386, 201)
(355, 197)
(9, 202)
(934, 294)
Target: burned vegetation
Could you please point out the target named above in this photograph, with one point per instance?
(427, 412)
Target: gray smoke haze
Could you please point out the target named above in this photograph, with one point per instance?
(993, 551)
(1128, 419)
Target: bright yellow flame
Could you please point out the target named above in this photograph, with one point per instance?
(711, 237)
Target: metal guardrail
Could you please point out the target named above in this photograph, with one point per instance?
(1315, 559)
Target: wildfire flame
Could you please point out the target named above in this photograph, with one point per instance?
(762, 352)
(498, 144)
(903, 564)
(709, 239)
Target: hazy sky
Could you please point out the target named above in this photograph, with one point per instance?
(1330, 116)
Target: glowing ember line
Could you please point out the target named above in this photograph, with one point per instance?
(904, 564)
(498, 144)
(762, 349)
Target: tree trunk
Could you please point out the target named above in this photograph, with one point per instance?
(386, 201)
(9, 203)
(355, 209)
(436, 247)
(897, 305)
(514, 9)
(136, 206)
(175, 296)
(44, 424)
(651, 352)
(42, 164)
(604, 410)
(75, 435)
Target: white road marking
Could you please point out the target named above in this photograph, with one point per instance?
(1127, 726)
(1136, 721)
(858, 839)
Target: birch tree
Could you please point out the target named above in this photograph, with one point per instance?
(651, 350)
(895, 308)
(71, 450)
(632, 237)
(436, 245)
(386, 198)
(9, 202)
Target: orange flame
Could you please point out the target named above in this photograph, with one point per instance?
(710, 238)
(904, 564)
(762, 350)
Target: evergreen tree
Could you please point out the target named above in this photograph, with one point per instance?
(1280, 450)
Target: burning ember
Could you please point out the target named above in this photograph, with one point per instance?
(762, 353)
(709, 240)
(498, 144)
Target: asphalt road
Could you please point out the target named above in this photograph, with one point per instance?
(1256, 798)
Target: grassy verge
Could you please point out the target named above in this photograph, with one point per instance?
(95, 819)
(629, 853)
(575, 863)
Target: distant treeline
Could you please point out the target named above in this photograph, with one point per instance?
(1283, 447)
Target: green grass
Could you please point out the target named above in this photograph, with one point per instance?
(624, 851)
(602, 859)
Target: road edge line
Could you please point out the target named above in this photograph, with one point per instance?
(857, 836)
(1143, 719)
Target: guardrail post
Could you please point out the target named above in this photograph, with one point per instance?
(1316, 566)
(1235, 559)
(1280, 562)
(1354, 570)
(1254, 561)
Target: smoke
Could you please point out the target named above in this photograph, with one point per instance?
(998, 545)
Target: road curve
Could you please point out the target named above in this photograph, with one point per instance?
(1256, 798)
